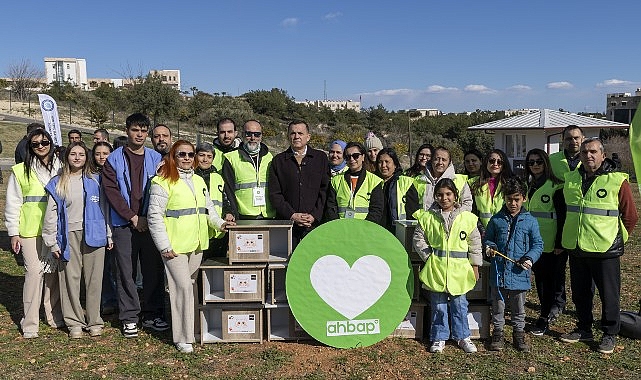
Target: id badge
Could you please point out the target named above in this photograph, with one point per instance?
(349, 214)
(258, 196)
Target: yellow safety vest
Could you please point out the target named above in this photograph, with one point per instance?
(448, 268)
(216, 190)
(403, 184)
(559, 164)
(541, 206)
(186, 214)
(486, 205)
(359, 203)
(245, 177)
(219, 159)
(34, 202)
(592, 220)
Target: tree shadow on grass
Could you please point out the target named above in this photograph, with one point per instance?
(11, 295)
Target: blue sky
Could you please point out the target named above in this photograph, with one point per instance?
(452, 55)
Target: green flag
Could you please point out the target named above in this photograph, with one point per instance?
(635, 144)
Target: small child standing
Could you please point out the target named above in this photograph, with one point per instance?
(513, 243)
(449, 242)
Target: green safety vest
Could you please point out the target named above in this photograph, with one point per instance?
(486, 205)
(186, 214)
(559, 164)
(541, 206)
(403, 184)
(459, 181)
(34, 202)
(448, 268)
(245, 177)
(216, 190)
(593, 221)
(360, 201)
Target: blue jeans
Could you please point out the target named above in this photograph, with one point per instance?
(440, 329)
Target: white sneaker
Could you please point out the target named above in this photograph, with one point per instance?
(467, 345)
(185, 348)
(437, 346)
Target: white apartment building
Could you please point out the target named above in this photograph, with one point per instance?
(334, 105)
(73, 70)
(170, 77)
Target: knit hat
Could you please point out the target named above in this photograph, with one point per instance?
(371, 141)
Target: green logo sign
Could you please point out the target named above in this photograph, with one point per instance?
(349, 283)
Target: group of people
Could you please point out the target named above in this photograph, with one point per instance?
(76, 213)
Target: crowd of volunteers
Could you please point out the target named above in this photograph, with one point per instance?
(120, 219)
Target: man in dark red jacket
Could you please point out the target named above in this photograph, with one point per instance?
(298, 181)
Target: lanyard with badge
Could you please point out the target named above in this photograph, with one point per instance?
(350, 212)
(258, 191)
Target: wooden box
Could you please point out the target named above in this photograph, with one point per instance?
(260, 241)
(276, 292)
(479, 318)
(412, 325)
(281, 324)
(481, 290)
(232, 283)
(231, 323)
(405, 233)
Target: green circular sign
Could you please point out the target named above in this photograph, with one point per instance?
(349, 283)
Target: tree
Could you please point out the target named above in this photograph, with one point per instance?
(274, 103)
(153, 98)
(24, 76)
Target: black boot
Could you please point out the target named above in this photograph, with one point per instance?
(518, 337)
(497, 343)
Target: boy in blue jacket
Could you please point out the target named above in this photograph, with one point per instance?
(513, 244)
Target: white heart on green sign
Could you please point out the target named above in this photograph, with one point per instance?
(350, 291)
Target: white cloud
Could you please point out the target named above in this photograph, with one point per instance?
(435, 89)
(615, 83)
(332, 16)
(559, 85)
(289, 22)
(394, 92)
(520, 87)
(481, 89)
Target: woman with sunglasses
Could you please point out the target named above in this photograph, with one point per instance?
(24, 213)
(180, 214)
(487, 188)
(357, 193)
(547, 204)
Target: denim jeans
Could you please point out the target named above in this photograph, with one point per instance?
(440, 329)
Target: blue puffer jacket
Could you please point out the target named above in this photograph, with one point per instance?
(514, 237)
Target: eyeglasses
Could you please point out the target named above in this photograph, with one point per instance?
(185, 154)
(535, 162)
(427, 155)
(255, 134)
(353, 156)
(497, 161)
(36, 144)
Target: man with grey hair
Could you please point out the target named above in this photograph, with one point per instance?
(600, 216)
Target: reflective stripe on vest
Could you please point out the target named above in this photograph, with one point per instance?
(593, 211)
(541, 206)
(241, 186)
(453, 254)
(185, 211)
(245, 180)
(34, 199)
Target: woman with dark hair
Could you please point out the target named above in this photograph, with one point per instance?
(400, 196)
(357, 193)
(546, 203)
(421, 161)
(179, 216)
(24, 213)
(487, 188)
(99, 153)
(472, 160)
(76, 232)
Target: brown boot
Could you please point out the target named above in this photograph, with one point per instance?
(518, 337)
(497, 343)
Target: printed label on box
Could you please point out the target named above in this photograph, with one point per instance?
(243, 283)
(474, 319)
(409, 322)
(249, 243)
(241, 324)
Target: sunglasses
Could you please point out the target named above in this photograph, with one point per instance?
(255, 134)
(36, 144)
(354, 156)
(495, 161)
(535, 162)
(185, 154)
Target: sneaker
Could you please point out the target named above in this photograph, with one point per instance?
(577, 336)
(185, 348)
(75, 333)
(540, 328)
(437, 346)
(95, 330)
(467, 345)
(608, 342)
(518, 339)
(497, 343)
(157, 324)
(130, 330)
(29, 335)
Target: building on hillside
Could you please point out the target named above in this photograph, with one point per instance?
(72, 70)
(170, 77)
(334, 105)
(516, 135)
(622, 106)
(94, 83)
(425, 111)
